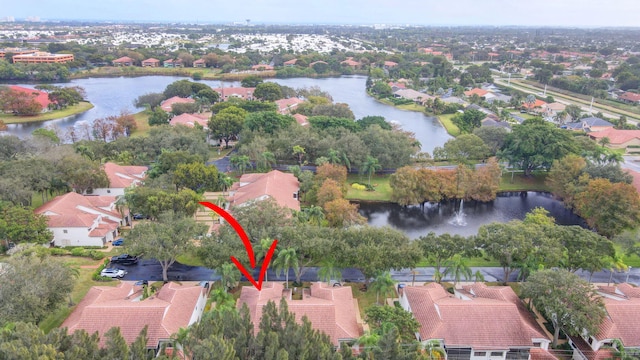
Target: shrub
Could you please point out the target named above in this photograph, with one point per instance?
(96, 255)
(58, 251)
(358, 186)
(96, 274)
(77, 252)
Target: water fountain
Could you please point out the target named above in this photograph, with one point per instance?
(458, 218)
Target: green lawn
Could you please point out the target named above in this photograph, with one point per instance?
(380, 183)
(448, 124)
(142, 123)
(365, 298)
(50, 115)
(536, 182)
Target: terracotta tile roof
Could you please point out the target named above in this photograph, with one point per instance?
(629, 96)
(623, 315)
(275, 184)
(123, 60)
(124, 176)
(40, 96)
(75, 210)
(104, 228)
(199, 61)
(290, 62)
(301, 119)
(390, 63)
(239, 92)
(492, 322)
(189, 120)
(285, 105)
(262, 67)
(151, 61)
(538, 103)
(477, 91)
(616, 137)
(166, 105)
(105, 307)
(541, 354)
(332, 310)
(350, 62)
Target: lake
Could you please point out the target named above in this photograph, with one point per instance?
(111, 96)
(440, 218)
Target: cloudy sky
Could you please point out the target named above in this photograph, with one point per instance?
(584, 13)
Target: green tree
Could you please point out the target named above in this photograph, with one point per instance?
(197, 177)
(535, 144)
(19, 224)
(469, 120)
(251, 81)
(284, 261)
(458, 268)
(240, 162)
(493, 137)
(438, 249)
(267, 121)
(229, 276)
(379, 316)
(567, 301)
(464, 148)
(566, 177)
(268, 91)
(165, 240)
(370, 166)
(383, 283)
(227, 123)
(32, 288)
(158, 117)
(329, 271)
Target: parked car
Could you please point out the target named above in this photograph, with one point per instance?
(118, 242)
(140, 217)
(124, 259)
(113, 273)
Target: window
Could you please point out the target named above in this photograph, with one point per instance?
(496, 353)
(64, 231)
(480, 353)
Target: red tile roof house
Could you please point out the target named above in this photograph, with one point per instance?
(200, 63)
(622, 304)
(286, 105)
(190, 120)
(39, 96)
(123, 61)
(237, 92)
(351, 63)
(413, 95)
(77, 220)
(261, 67)
(478, 322)
(281, 187)
(332, 310)
(302, 120)
(389, 64)
(630, 97)
(121, 178)
(151, 62)
(619, 139)
(167, 104)
(291, 62)
(480, 92)
(173, 306)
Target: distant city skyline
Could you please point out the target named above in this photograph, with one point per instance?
(562, 13)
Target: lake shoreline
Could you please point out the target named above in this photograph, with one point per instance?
(74, 110)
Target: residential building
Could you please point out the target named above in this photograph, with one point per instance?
(622, 304)
(480, 92)
(123, 61)
(190, 120)
(291, 62)
(40, 57)
(167, 104)
(235, 92)
(590, 124)
(629, 140)
(172, 63)
(318, 62)
(279, 186)
(355, 65)
(395, 86)
(477, 322)
(121, 178)
(15, 51)
(151, 62)
(389, 64)
(630, 97)
(79, 220)
(538, 104)
(173, 306)
(413, 95)
(286, 105)
(302, 120)
(331, 310)
(200, 63)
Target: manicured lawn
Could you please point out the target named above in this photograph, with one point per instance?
(448, 124)
(380, 183)
(366, 299)
(142, 122)
(190, 259)
(633, 260)
(50, 115)
(536, 182)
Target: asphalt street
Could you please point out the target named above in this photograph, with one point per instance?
(149, 269)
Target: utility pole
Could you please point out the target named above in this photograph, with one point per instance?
(509, 80)
(591, 106)
(545, 90)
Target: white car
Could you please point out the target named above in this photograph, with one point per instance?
(113, 273)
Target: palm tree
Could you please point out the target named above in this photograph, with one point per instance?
(458, 267)
(370, 166)
(225, 182)
(266, 160)
(315, 215)
(334, 156)
(223, 299)
(367, 343)
(329, 271)
(616, 264)
(286, 259)
(180, 340)
(383, 283)
(261, 252)
(530, 100)
(229, 276)
(478, 277)
(240, 162)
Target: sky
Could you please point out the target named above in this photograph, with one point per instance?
(565, 13)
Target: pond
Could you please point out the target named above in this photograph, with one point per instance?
(441, 218)
(111, 96)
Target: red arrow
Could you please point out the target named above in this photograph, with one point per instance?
(247, 245)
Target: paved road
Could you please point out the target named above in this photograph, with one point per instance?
(151, 270)
(631, 163)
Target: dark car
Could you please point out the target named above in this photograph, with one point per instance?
(124, 259)
(118, 242)
(140, 217)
